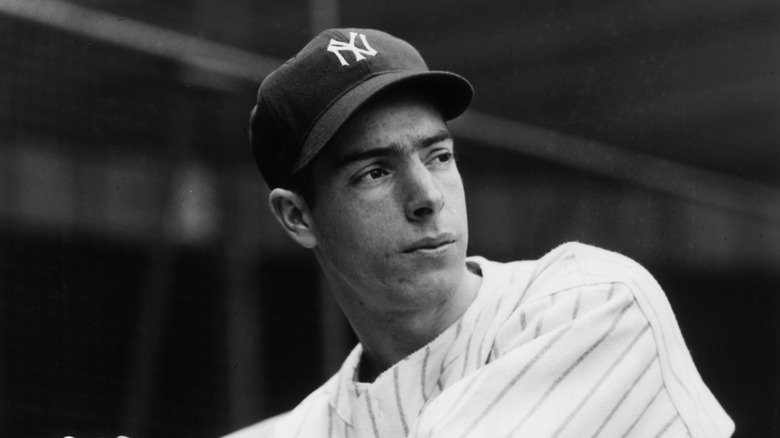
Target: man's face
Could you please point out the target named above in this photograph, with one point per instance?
(390, 216)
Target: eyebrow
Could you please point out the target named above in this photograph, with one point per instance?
(391, 149)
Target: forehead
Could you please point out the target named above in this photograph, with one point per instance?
(397, 120)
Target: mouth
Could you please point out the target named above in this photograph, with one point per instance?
(431, 244)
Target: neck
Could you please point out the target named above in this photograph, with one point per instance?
(389, 337)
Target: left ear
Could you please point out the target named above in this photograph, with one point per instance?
(293, 214)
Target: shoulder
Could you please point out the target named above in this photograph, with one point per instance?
(585, 272)
(570, 285)
(575, 265)
(570, 266)
(592, 263)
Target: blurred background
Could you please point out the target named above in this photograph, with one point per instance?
(146, 291)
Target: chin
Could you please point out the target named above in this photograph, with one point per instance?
(430, 287)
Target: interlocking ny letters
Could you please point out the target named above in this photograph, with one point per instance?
(337, 47)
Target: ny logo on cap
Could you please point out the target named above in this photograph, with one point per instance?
(338, 46)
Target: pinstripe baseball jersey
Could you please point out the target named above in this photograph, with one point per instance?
(581, 343)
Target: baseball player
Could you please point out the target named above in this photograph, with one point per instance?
(351, 136)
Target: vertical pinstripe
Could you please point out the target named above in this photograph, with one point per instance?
(667, 425)
(355, 378)
(424, 372)
(458, 403)
(444, 366)
(330, 421)
(337, 391)
(540, 324)
(398, 402)
(576, 310)
(572, 367)
(539, 299)
(371, 416)
(538, 329)
(458, 330)
(642, 414)
(466, 357)
(680, 381)
(600, 382)
(468, 347)
(484, 338)
(478, 358)
(514, 380)
(625, 396)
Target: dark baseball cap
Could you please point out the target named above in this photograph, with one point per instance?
(303, 103)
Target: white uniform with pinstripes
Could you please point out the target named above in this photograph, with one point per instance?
(581, 343)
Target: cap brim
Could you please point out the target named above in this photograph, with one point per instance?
(450, 92)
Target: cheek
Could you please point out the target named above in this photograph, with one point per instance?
(355, 228)
(456, 196)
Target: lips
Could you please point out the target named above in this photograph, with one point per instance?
(430, 243)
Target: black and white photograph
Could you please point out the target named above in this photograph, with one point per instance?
(407, 219)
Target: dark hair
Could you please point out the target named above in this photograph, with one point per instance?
(302, 183)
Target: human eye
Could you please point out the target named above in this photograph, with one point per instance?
(442, 157)
(370, 174)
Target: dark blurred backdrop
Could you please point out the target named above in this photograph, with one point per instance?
(145, 290)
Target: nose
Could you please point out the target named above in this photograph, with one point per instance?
(423, 198)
